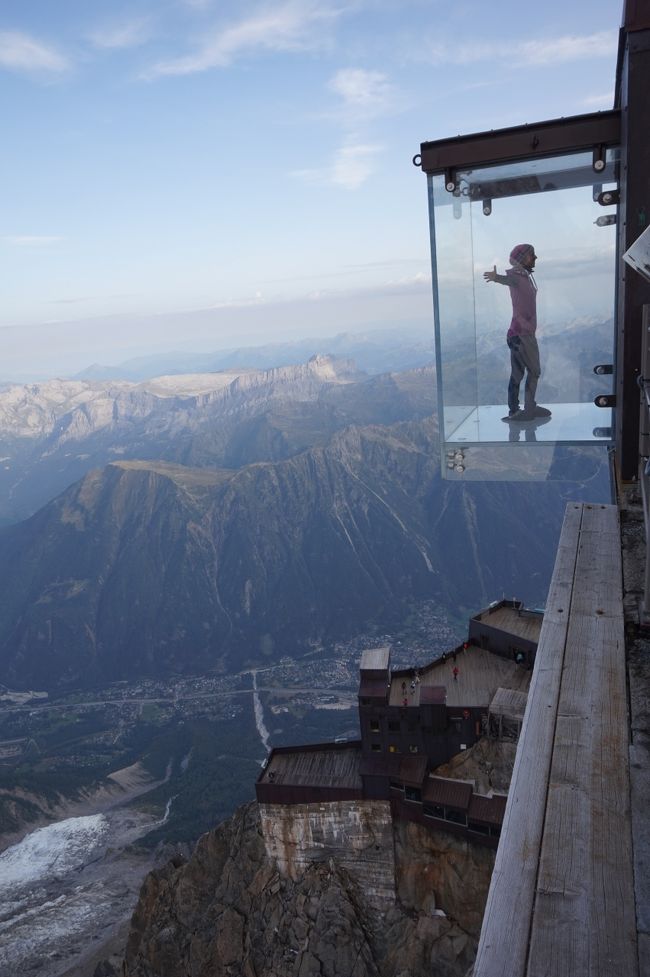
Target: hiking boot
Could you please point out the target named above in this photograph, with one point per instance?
(520, 415)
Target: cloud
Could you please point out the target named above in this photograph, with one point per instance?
(18, 52)
(599, 101)
(72, 301)
(363, 92)
(295, 25)
(128, 34)
(557, 50)
(32, 240)
(350, 168)
(353, 165)
(565, 49)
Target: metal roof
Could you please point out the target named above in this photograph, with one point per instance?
(450, 793)
(490, 810)
(375, 659)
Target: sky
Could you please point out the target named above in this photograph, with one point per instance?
(201, 174)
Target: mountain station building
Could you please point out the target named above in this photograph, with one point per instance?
(413, 721)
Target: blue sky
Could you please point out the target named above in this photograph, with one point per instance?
(204, 173)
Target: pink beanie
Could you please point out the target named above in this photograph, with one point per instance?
(519, 251)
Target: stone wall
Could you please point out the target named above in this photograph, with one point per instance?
(438, 871)
(358, 835)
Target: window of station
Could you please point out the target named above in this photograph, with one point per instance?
(393, 748)
(481, 829)
(374, 726)
(413, 794)
(394, 727)
(444, 813)
(375, 747)
(456, 816)
(558, 292)
(413, 748)
(434, 811)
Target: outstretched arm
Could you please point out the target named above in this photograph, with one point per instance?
(491, 276)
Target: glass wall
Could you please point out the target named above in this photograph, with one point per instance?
(482, 289)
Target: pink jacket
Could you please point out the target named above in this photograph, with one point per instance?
(523, 292)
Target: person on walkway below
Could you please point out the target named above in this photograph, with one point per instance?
(521, 339)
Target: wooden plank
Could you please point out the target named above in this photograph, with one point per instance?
(509, 703)
(503, 946)
(568, 828)
(508, 619)
(584, 915)
(480, 674)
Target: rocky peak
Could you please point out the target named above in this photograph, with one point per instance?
(73, 409)
(228, 911)
(333, 368)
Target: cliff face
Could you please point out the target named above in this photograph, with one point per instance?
(358, 835)
(437, 871)
(232, 910)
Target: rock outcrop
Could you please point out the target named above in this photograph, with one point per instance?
(229, 911)
(358, 835)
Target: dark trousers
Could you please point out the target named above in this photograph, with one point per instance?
(524, 359)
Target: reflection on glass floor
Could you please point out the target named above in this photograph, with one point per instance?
(569, 424)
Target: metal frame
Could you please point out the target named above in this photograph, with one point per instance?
(644, 458)
(632, 86)
(579, 133)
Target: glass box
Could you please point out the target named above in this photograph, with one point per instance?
(565, 207)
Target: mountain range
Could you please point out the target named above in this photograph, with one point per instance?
(152, 568)
(202, 522)
(52, 433)
(375, 351)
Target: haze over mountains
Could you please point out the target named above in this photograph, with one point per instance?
(235, 517)
(374, 351)
(54, 432)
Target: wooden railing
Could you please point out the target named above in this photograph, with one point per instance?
(561, 899)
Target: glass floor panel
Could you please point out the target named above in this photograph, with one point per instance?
(574, 424)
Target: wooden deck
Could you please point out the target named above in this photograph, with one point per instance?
(480, 674)
(336, 768)
(561, 900)
(509, 704)
(524, 624)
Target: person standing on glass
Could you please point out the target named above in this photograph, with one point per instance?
(521, 339)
